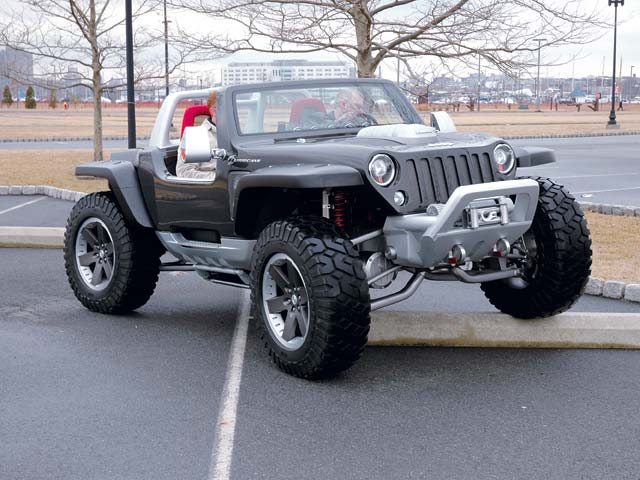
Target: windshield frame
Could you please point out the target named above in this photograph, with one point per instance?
(400, 102)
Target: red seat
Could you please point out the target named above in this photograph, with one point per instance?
(303, 107)
(190, 115)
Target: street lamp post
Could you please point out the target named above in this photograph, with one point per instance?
(166, 50)
(539, 40)
(612, 114)
(131, 98)
(479, 57)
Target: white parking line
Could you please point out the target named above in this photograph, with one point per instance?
(22, 205)
(630, 174)
(222, 453)
(605, 191)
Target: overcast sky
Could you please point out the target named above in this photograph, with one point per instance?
(589, 57)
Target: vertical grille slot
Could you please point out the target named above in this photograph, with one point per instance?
(451, 174)
(485, 166)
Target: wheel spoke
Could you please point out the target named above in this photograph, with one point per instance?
(87, 259)
(294, 279)
(290, 324)
(108, 268)
(277, 304)
(101, 234)
(97, 274)
(279, 277)
(109, 248)
(90, 237)
(303, 320)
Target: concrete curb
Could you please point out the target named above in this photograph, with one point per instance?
(609, 209)
(568, 330)
(53, 192)
(572, 135)
(38, 237)
(65, 139)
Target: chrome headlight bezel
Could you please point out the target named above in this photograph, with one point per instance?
(504, 158)
(387, 178)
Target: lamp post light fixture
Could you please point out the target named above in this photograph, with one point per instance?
(539, 40)
(612, 114)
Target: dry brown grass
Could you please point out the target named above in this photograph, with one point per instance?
(544, 123)
(20, 123)
(616, 255)
(47, 167)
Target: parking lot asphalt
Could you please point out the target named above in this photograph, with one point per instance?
(33, 211)
(136, 396)
(594, 169)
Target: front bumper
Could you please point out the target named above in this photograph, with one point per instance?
(423, 240)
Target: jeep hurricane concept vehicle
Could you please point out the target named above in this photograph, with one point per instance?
(327, 194)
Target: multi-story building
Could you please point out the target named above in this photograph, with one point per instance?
(255, 72)
(16, 70)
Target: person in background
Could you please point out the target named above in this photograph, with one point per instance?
(204, 170)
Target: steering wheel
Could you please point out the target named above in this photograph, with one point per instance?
(360, 120)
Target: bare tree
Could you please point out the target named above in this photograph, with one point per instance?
(368, 31)
(87, 34)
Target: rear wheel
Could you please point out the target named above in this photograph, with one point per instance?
(557, 249)
(310, 297)
(112, 266)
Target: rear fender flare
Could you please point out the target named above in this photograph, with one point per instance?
(123, 182)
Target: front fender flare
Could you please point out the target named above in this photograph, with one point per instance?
(301, 176)
(123, 182)
(534, 156)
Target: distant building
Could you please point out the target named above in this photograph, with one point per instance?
(16, 70)
(237, 73)
(70, 83)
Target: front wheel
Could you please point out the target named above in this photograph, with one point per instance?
(557, 249)
(112, 266)
(310, 297)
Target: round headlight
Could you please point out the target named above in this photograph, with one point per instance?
(382, 169)
(504, 157)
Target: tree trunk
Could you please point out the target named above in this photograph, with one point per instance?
(97, 115)
(362, 22)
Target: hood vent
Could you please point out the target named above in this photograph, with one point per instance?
(414, 131)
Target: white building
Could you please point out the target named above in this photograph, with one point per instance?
(280, 70)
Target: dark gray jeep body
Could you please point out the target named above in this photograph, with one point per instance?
(439, 204)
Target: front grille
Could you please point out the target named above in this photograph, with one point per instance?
(439, 176)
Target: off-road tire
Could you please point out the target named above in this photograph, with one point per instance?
(339, 303)
(136, 262)
(563, 259)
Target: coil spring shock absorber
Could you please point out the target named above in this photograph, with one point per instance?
(340, 209)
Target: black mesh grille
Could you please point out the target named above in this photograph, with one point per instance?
(439, 176)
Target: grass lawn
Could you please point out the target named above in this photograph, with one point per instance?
(48, 167)
(492, 119)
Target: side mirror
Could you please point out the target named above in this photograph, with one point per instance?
(195, 146)
(442, 122)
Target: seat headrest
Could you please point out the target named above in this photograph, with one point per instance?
(301, 105)
(190, 114)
